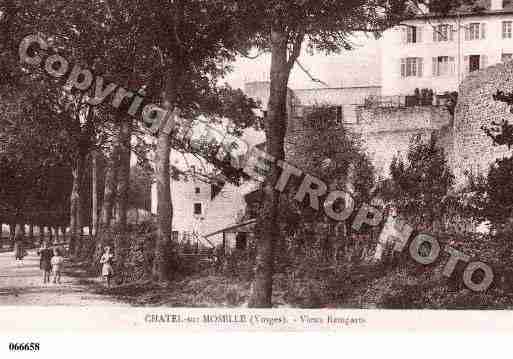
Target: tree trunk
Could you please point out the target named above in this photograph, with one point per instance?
(57, 236)
(120, 242)
(80, 212)
(94, 215)
(268, 229)
(76, 203)
(31, 233)
(111, 178)
(125, 135)
(164, 205)
(74, 211)
(12, 232)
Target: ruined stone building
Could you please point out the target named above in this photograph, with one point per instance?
(387, 128)
(467, 51)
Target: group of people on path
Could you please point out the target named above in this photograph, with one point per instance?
(51, 262)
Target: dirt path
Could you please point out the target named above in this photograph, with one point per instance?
(23, 285)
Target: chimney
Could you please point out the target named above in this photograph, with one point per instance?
(497, 5)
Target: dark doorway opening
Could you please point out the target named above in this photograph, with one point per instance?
(241, 241)
(474, 63)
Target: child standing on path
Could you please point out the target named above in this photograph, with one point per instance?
(19, 248)
(45, 261)
(57, 262)
(106, 261)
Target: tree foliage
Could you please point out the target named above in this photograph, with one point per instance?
(499, 189)
(495, 195)
(284, 28)
(501, 132)
(420, 184)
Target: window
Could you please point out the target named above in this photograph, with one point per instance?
(197, 209)
(506, 29)
(174, 236)
(197, 190)
(339, 114)
(475, 31)
(443, 65)
(474, 62)
(506, 57)
(413, 34)
(411, 67)
(443, 33)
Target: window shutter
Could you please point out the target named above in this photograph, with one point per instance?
(483, 60)
(420, 66)
(452, 67)
(451, 33)
(404, 35)
(403, 67)
(483, 30)
(466, 64)
(435, 72)
(467, 32)
(435, 33)
(418, 30)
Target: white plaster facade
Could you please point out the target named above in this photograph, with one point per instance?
(191, 193)
(490, 39)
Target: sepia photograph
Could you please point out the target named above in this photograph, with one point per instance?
(264, 164)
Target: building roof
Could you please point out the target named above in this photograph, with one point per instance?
(234, 228)
(476, 8)
(335, 96)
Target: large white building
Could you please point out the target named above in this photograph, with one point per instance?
(428, 51)
(437, 52)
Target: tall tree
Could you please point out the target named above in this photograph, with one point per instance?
(421, 183)
(283, 28)
(194, 40)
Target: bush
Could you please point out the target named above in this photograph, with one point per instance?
(134, 253)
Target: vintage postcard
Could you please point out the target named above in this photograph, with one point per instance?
(285, 165)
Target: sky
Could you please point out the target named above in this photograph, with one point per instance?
(359, 67)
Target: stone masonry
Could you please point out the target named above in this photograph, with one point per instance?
(473, 150)
(387, 132)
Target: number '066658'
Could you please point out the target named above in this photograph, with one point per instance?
(27, 347)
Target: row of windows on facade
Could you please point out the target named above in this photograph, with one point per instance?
(445, 65)
(446, 32)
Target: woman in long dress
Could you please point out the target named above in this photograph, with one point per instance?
(19, 248)
(106, 261)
